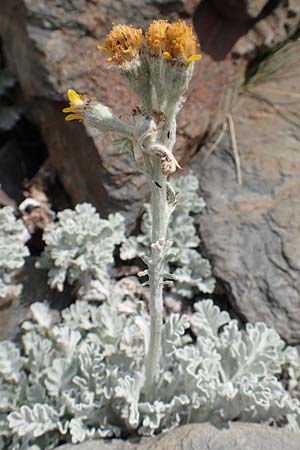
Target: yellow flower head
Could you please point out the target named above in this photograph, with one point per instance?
(180, 43)
(156, 37)
(78, 103)
(123, 43)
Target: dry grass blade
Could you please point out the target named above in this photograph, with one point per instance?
(274, 81)
(216, 143)
(281, 64)
(235, 149)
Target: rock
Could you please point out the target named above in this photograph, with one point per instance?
(11, 162)
(271, 28)
(239, 436)
(240, 10)
(21, 153)
(182, 7)
(251, 231)
(35, 289)
(217, 34)
(244, 27)
(51, 46)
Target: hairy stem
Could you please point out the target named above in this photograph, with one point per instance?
(159, 229)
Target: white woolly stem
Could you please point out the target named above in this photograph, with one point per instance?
(158, 187)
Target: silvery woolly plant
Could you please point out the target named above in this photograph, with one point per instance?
(157, 67)
(13, 237)
(98, 371)
(82, 377)
(191, 272)
(79, 249)
(292, 356)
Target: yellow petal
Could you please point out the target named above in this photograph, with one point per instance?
(101, 48)
(128, 50)
(73, 97)
(194, 58)
(69, 109)
(73, 117)
(166, 55)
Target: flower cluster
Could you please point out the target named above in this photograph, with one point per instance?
(123, 43)
(174, 42)
(162, 57)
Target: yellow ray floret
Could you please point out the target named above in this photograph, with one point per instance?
(180, 43)
(78, 103)
(156, 37)
(123, 43)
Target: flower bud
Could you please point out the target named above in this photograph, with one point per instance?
(171, 56)
(87, 109)
(78, 104)
(123, 45)
(101, 117)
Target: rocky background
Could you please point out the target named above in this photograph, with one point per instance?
(244, 101)
(239, 436)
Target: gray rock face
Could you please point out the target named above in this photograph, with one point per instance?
(244, 26)
(252, 231)
(238, 436)
(240, 9)
(272, 25)
(35, 288)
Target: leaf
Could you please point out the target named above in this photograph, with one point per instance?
(37, 394)
(152, 416)
(130, 248)
(13, 235)
(67, 339)
(292, 360)
(208, 319)
(42, 315)
(39, 350)
(8, 396)
(59, 376)
(80, 246)
(80, 432)
(78, 316)
(260, 352)
(33, 421)
(10, 361)
(108, 327)
(195, 272)
(173, 330)
(91, 363)
(126, 398)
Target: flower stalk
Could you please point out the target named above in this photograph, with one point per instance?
(155, 266)
(157, 66)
